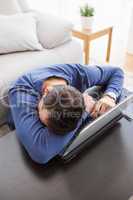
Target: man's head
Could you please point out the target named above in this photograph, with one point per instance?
(61, 106)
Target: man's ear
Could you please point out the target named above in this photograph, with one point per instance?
(45, 90)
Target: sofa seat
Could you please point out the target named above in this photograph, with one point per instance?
(15, 64)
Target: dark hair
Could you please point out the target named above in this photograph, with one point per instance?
(65, 106)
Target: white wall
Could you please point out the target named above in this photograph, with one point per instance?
(130, 36)
(69, 8)
(50, 6)
(114, 12)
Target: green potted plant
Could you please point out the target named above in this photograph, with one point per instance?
(87, 16)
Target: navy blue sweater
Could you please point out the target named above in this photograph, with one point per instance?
(41, 144)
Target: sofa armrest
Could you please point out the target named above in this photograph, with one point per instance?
(52, 30)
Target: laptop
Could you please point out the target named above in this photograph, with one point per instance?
(96, 128)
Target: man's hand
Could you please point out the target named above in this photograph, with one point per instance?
(102, 106)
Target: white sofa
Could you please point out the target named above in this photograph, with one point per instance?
(14, 64)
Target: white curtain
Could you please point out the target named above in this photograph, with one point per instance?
(114, 12)
(50, 6)
(70, 8)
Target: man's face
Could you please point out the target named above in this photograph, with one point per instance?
(89, 102)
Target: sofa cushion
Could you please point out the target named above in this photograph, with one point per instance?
(18, 33)
(9, 7)
(15, 64)
(24, 5)
(52, 31)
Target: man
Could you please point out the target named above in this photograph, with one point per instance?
(49, 105)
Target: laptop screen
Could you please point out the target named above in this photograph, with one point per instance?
(92, 128)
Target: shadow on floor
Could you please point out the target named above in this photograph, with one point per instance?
(4, 130)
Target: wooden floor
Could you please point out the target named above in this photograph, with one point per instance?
(129, 63)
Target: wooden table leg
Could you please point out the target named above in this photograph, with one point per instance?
(109, 45)
(86, 51)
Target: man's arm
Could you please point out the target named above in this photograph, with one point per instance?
(110, 77)
(40, 144)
